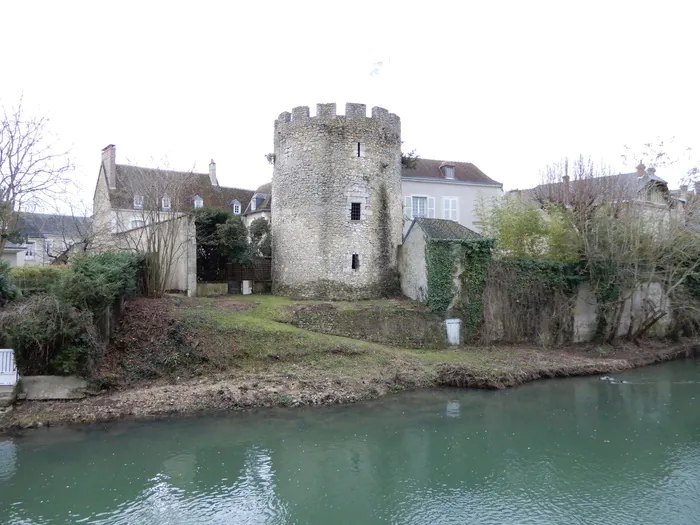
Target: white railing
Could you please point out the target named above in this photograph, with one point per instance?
(8, 369)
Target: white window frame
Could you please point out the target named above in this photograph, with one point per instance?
(236, 207)
(413, 206)
(454, 210)
(138, 202)
(198, 202)
(165, 202)
(450, 170)
(29, 253)
(252, 203)
(135, 223)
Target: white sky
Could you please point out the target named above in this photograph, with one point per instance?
(509, 86)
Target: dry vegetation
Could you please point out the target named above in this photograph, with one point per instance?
(184, 356)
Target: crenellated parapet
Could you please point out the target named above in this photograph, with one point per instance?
(301, 115)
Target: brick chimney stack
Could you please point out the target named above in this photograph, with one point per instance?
(640, 170)
(212, 173)
(109, 162)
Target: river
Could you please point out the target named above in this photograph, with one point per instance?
(578, 450)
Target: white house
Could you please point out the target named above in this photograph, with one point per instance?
(14, 254)
(129, 200)
(438, 189)
(50, 237)
(259, 205)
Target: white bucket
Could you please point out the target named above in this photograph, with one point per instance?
(247, 287)
(453, 328)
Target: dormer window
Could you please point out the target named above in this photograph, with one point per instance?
(253, 203)
(198, 202)
(165, 203)
(448, 172)
(138, 202)
(236, 206)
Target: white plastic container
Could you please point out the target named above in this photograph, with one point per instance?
(247, 287)
(453, 327)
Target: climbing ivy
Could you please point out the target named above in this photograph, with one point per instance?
(440, 267)
(476, 260)
(524, 292)
(471, 258)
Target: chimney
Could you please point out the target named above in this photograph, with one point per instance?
(651, 171)
(684, 191)
(109, 161)
(212, 173)
(565, 183)
(640, 170)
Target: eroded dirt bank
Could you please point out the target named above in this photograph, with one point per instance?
(218, 355)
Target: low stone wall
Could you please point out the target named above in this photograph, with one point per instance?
(396, 326)
(573, 319)
(211, 289)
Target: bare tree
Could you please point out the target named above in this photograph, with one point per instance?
(73, 233)
(31, 170)
(632, 236)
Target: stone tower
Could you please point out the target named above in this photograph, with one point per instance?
(336, 202)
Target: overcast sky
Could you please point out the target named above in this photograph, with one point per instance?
(509, 86)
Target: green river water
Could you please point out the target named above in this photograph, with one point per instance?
(579, 450)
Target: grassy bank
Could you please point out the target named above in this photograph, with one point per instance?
(184, 356)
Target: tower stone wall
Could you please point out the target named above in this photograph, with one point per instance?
(322, 166)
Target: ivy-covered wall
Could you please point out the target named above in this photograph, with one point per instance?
(529, 300)
(456, 273)
(522, 300)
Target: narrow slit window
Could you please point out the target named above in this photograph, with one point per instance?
(358, 149)
(355, 211)
(355, 261)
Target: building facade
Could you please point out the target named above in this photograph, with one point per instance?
(132, 205)
(436, 189)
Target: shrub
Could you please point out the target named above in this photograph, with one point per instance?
(8, 292)
(260, 237)
(4, 268)
(35, 279)
(96, 281)
(49, 336)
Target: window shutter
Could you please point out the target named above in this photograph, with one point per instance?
(408, 208)
(455, 209)
(431, 207)
(446, 207)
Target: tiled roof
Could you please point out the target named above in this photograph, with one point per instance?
(10, 246)
(442, 229)
(263, 197)
(130, 178)
(463, 172)
(626, 186)
(42, 224)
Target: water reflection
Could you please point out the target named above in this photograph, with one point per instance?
(452, 408)
(579, 450)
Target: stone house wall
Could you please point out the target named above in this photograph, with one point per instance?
(414, 275)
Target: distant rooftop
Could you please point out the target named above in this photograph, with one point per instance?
(462, 172)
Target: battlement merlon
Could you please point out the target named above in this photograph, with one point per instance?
(328, 111)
